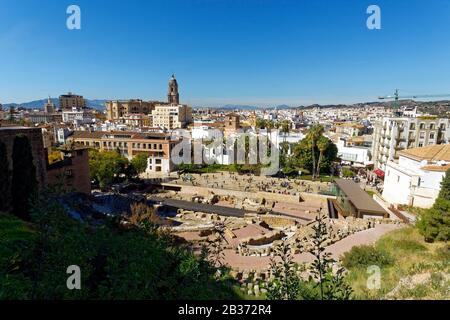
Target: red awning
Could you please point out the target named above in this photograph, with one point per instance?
(379, 173)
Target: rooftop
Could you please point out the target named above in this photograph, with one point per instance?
(358, 197)
(431, 153)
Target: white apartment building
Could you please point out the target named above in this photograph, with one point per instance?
(171, 116)
(415, 179)
(392, 135)
(77, 117)
(353, 154)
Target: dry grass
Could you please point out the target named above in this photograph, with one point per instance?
(412, 256)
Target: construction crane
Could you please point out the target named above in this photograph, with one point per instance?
(396, 97)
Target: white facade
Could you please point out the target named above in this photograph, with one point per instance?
(77, 116)
(413, 182)
(158, 165)
(392, 135)
(359, 155)
(62, 134)
(171, 116)
(205, 132)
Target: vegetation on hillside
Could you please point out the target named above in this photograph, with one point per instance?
(410, 267)
(116, 262)
(5, 179)
(434, 223)
(327, 281)
(23, 177)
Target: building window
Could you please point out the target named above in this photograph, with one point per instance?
(422, 126)
(158, 161)
(398, 178)
(422, 135)
(431, 135)
(431, 126)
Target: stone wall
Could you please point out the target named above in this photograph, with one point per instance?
(7, 135)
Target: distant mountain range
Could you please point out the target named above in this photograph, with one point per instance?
(433, 107)
(248, 107)
(98, 104)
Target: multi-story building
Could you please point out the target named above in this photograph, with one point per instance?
(71, 173)
(171, 116)
(77, 117)
(118, 109)
(44, 117)
(354, 155)
(61, 134)
(69, 101)
(232, 124)
(349, 129)
(49, 107)
(157, 146)
(392, 135)
(415, 178)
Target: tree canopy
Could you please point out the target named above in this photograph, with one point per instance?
(434, 223)
(139, 162)
(105, 166)
(314, 152)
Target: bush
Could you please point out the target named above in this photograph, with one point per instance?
(347, 173)
(434, 223)
(116, 262)
(364, 256)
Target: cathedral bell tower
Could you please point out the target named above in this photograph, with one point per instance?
(172, 96)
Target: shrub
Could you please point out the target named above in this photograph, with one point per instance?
(364, 256)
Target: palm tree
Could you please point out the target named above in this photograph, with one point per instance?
(314, 133)
(322, 145)
(285, 128)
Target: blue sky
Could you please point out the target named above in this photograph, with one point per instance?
(224, 51)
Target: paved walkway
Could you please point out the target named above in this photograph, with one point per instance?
(365, 237)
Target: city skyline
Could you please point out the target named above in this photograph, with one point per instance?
(255, 53)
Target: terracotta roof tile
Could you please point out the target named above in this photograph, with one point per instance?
(431, 153)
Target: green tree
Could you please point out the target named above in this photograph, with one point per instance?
(105, 166)
(306, 152)
(445, 186)
(117, 261)
(434, 223)
(139, 162)
(322, 145)
(347, 173)
(24, 183)
(285, 128)
(314, 133)
(286, 284)
(5, 179)
(331, 285)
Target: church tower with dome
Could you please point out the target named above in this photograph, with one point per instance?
(172, 96)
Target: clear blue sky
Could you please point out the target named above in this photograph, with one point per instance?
(224, 51)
